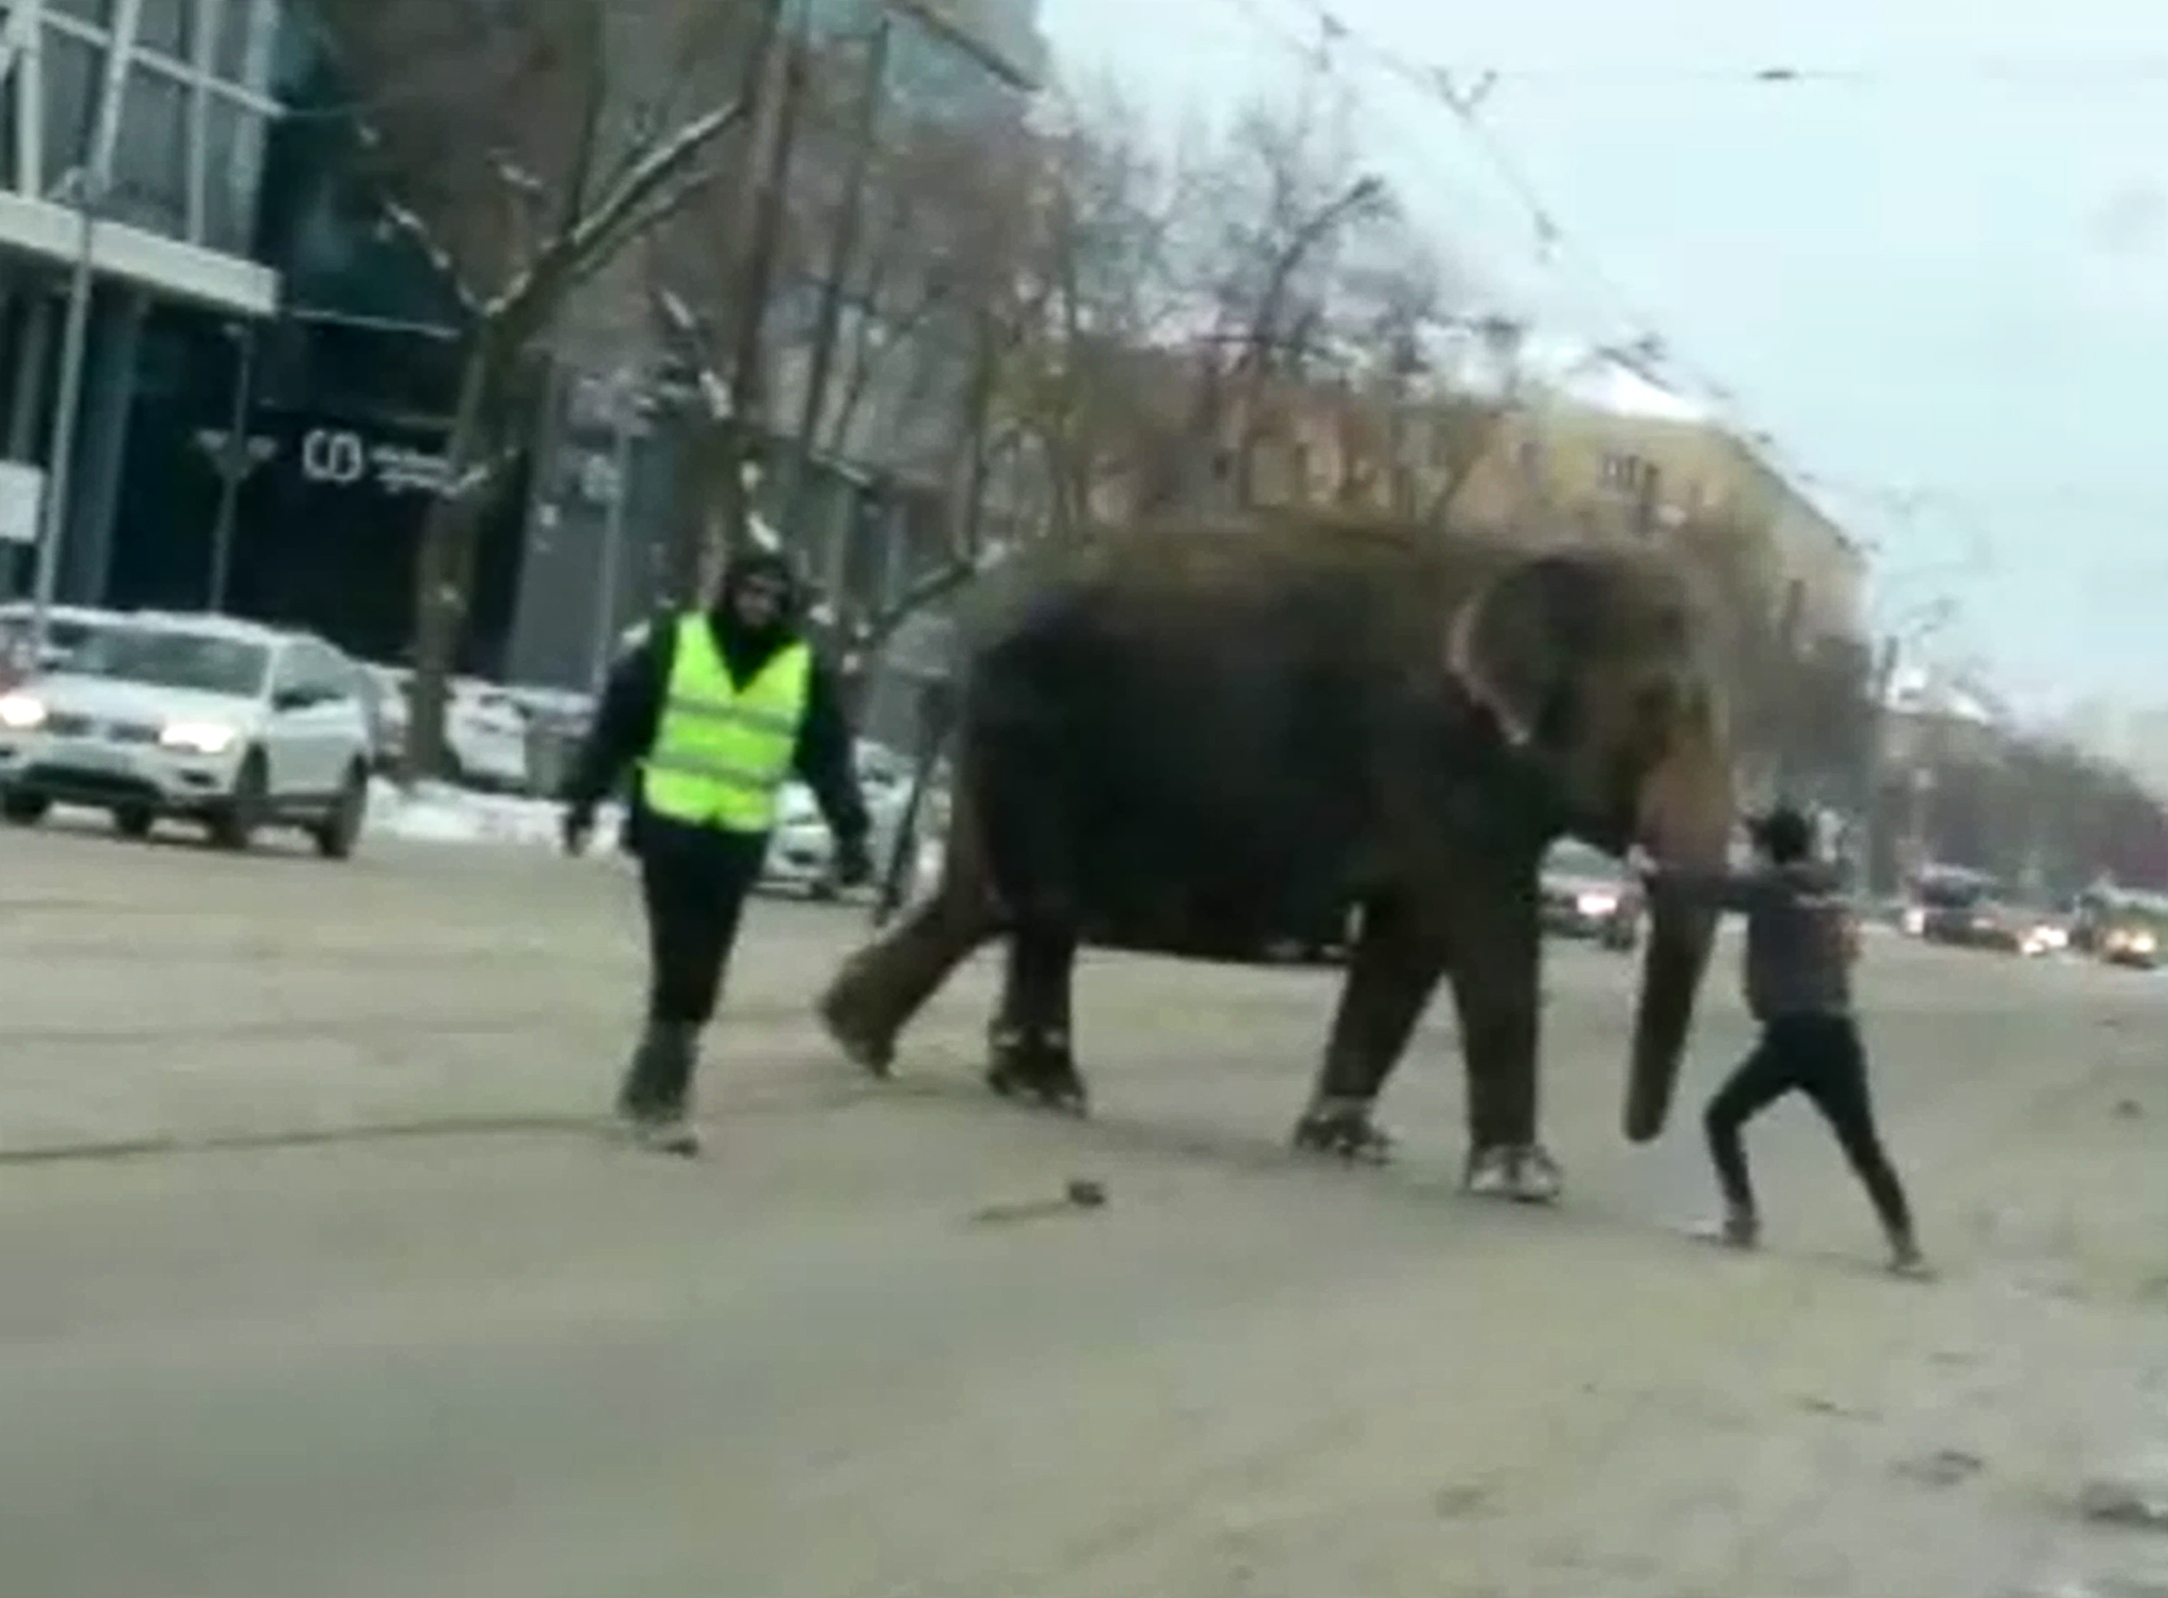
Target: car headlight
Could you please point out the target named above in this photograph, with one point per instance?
(21, 712)
(1596, 904)
(2139, 943)
(198, 737)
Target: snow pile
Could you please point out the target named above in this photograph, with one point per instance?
(437, 812)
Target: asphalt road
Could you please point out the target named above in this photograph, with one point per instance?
(318, 1286)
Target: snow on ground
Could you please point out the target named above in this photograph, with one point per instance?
(438, 812)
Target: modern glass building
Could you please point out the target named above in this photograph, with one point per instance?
(196, 163)
(132, 139)
(346, 389)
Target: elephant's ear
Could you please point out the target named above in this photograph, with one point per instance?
(1511, 646)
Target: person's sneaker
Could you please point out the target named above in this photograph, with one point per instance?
(667, 1134)
(1737, 1229)
(1905, 1259)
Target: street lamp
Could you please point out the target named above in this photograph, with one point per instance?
(77, 187)
(630, 404)
(234, 461)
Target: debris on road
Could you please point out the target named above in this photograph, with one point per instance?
(1081, 1193)
(1945, 1467)
(2135, 1499)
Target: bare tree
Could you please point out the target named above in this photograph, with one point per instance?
(1253, 247)
(530, 144)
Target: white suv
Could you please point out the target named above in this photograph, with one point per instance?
(201, 718)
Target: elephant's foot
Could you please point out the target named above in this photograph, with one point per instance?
(866, 1046)
(1524, 1173)
(1342, 1127)
(1037, 1069)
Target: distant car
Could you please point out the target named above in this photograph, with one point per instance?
(1945, 895)
(200, 718)
(1985, 922)
(801, 850)
(1588, 894)
(67, 627)
(485, 730)
(2122, 927)
(1969, 909)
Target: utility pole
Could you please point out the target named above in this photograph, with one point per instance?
(89, 197)
(626, 414)
(233, 463)
(842, 258)
(1874, 804)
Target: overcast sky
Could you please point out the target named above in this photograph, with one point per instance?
(1945, 273)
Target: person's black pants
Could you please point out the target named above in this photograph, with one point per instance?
(1820, 1056)
(693, 886)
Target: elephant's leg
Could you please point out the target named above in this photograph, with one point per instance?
(1393, 970)
(1029, 1048)
(882, 986)
(1497, 992)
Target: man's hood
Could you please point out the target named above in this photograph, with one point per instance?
(758, 565)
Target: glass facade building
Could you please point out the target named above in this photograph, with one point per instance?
(132, 142)
(198, 163)
(153, 114)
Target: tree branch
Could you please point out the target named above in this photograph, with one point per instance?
(529, 297)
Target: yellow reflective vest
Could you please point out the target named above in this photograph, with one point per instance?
(721, 752)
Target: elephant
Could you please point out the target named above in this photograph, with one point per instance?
(1177, 736)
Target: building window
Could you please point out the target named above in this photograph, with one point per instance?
(74, 81)
(247, 33)
(162, 26)
(1626, 472)
(233, 169)
(150, 155)
(98, 13)
(10, 177)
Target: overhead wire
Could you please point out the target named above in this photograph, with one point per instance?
(2082, 72)
(1649, 351)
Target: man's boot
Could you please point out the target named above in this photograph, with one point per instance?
(653, 1100)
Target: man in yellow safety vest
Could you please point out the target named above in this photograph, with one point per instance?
(714, 710)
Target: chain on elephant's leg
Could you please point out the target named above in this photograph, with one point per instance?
(1392, 972)
(1030, 1048)
(1506, 1158)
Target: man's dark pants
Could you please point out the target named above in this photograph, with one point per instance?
(1822, 1057)
(693, 886)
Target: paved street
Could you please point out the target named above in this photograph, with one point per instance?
(318, 1283)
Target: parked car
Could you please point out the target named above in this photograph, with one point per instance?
(801, 850)
(1588, 894)
(2121, 927)
(485, 730)
(66, 629)
(229, 724)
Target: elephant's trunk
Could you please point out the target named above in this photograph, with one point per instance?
(1686, 821)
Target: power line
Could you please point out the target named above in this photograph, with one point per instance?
(1463, 99)
(2075, 73)
(1650, 353)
